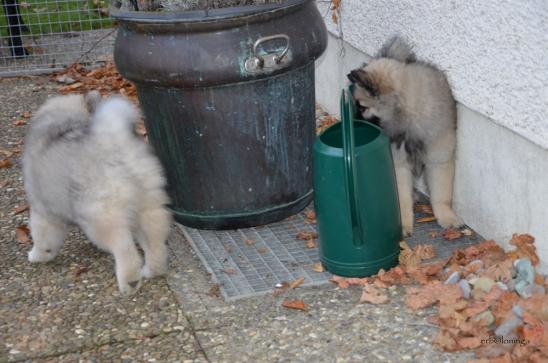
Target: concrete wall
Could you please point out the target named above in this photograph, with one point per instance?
(501, 182)
(494, 51)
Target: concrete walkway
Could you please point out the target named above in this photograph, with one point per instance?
(69, 310)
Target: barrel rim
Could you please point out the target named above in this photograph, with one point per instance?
(202, 17)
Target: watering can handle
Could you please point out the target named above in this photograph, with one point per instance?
(347, 116)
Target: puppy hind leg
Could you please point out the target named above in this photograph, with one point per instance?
(404, 179)
(48, 234)
(154, 226)
(440, 183)
(117, 239)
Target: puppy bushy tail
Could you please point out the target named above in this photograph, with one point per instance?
(115, 116)
(396, 48)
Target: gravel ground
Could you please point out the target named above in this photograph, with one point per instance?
(69, 310)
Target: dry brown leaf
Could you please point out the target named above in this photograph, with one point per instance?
(318, 267)
(445, 341)
(500, 271)
(372, 295)
(249, 242)
(341, 281)
(412, 257)
(424, 208)
(80, 270)
(469, 342)
(310, 214)
(296, 283)
(20, 123)
(22, 234)
(295, 304)
(525, 248)
(303, 236)
(20, 209)
(451, 234)
(215, 291)
(229, 271)
(311, 243)
(5, 163)
(7, 153)
(262, 250)
(426, 219)
(334, 18)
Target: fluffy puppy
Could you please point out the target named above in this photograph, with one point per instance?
(412, 101)
(83, 164)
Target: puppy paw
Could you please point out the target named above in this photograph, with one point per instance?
(39, 255)
(129, 287)
(448, 219)
(149, 272)
(406, 231)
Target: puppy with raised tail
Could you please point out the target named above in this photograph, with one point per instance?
(83, 164)
(412, 101)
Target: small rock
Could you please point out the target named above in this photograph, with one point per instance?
(502, 285)
(145, 325)
(508, 326)
(483, 283)
(525, 270)
(518, 311)
(65, 79)
(453, 278)
(465, 287)
(486, 316)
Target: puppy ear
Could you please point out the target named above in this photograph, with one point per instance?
(92, 99)
(357, 76)
(364, 80)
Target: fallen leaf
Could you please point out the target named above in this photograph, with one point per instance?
(20, 123)
(310, 214)
(7, 153)
(311, 243)
(412, 257)
(249, 242)
(296, 283)
(424, 208)
(295, 304)
(22, 234)
(79, 271)
(318, 267)
(525, 248)
(469, 342)
(445, 341)
(341, 281)
(262, 250)
(229, 271)
(374, 296)
(426, 219)
(215, 291)
(20, 209)
(451, 234)
(5, 163)
(306, 235)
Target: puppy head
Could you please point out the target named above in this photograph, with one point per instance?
(374, 92)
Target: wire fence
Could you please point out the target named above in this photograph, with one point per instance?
(39, 36)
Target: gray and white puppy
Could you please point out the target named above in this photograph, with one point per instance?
(412, 101)
(83, 164)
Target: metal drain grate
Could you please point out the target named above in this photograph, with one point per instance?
(251, 261)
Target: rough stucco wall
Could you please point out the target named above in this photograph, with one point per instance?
(495, 53)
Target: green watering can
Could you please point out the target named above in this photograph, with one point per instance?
(356, 197)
